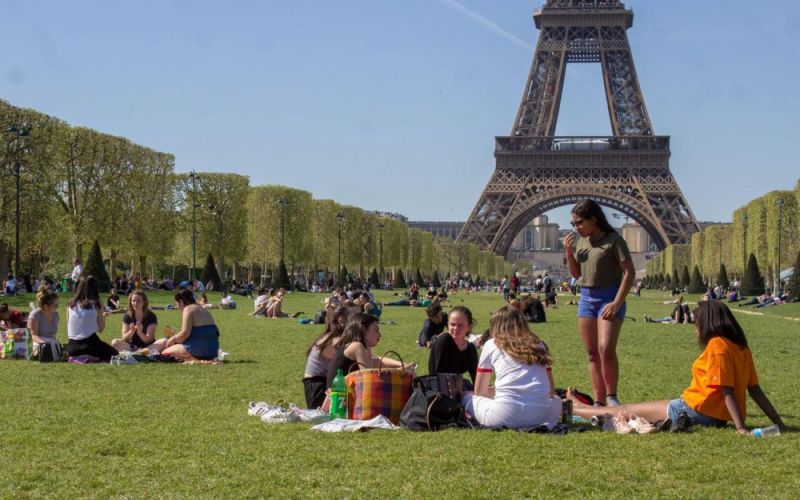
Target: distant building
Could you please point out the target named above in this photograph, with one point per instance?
(539, 234)
(439, 229)
(636, 237)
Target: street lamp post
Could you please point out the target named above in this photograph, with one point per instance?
(283, 202)
(779, 204)
(380, 251)
(339, 222)
(19, 133)
(193, 177)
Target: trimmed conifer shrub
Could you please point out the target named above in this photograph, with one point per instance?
(419, 279)
(400, 280)
(95, 267)
(722, 277)
(793, 285)
(676, 281)
(282, 278)
(341, 278)
(696, 284)
(210, 273)
(436, 281)
(752, 282)
(374, 280)
(686, 279)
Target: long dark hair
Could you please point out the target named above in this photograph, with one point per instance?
(356, 328)
(87, 294)
(186, 296)
(588, 209)
(714, 319)
(334, 327)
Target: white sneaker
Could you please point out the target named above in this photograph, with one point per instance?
(256, 409)
(279, 416)
(640, 425)
(612, 401)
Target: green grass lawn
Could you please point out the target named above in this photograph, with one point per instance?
(163, 430)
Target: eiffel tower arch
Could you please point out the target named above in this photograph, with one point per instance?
(536, 171)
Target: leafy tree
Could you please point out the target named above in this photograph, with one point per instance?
(793, 286)
(686, 279)
(210, 273)
(752, 282)
(400, 280)
(722, 277)
(696, 284)
(96, 268)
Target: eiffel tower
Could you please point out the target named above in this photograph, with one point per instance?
(536, 171)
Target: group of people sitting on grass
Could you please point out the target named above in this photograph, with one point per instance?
(523, 393)
(197, 338)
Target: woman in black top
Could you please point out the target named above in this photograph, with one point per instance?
(451, 352)
(138, 325)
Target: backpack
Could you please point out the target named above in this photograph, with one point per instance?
(430, 410)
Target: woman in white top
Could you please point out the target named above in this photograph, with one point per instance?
(85, 320)
(523, 392)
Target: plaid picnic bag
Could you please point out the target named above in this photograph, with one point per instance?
(378, 391)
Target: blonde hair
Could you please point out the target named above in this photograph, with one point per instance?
(45, 296)
(512, 336)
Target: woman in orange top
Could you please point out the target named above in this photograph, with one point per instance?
(720, 377)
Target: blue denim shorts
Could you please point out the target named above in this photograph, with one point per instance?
(593, 299)
(676, 406)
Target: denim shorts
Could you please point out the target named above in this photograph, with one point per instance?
(676, 406)
(593, 299)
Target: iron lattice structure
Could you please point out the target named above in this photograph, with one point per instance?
(536, 171)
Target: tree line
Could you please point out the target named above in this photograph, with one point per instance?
(78, 186)
(762, 239)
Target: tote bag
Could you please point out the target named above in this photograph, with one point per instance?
(378, 391)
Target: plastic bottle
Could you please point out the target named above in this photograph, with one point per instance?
(772, 430)
(338, 396)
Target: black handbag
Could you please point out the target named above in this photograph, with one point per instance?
(450, 384)
(429, 410)
(49, 353)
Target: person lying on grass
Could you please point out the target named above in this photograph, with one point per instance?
(360, 336)
(720, 377)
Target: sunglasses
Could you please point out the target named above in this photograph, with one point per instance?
(577, 222)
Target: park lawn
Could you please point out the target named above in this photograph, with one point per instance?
(163, 430)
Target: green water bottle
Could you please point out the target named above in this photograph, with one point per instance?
(8, 348)
(338, 396)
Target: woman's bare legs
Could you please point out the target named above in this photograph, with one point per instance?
(652, 411)
(607, 335)
(589, 335)
(178, 351)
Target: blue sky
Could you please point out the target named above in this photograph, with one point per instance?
(394, 105)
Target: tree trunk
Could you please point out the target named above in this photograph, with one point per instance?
(112, 264)
(79, 251)
(142, 265)
(4, 257)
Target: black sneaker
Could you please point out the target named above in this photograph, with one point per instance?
(663, 425)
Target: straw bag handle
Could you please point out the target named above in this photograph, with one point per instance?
(402, 363)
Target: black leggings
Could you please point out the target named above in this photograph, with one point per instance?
(315, 391)
(91, 346)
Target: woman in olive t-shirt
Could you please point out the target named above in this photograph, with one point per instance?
(602, 262)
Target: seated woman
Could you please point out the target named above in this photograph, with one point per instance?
(523, 392)
(275, 305)
(320, 354)
(138, 325)
(112, 303)
(361, 334)
(260, 306)
(199, 335)
(12, 318)
(43, 323)
(680, 314)
(432, 326)
(720, 377)
(452, 352)
(85, 319)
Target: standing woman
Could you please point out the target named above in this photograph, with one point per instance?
(85, 320)
(601, 262)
